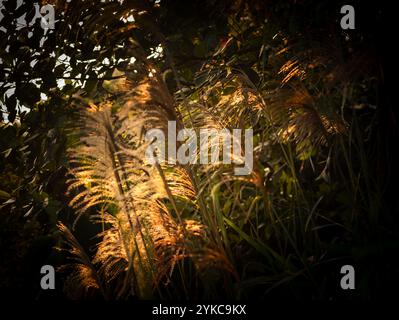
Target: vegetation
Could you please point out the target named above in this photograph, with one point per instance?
(77, 193)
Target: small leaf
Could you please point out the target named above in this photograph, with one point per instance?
(4, 195)
(27, 214)
(7, 152)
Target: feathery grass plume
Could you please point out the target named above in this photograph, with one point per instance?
(146, 234)
(305, 113)
(303, 119)
(229, 102)
(110, 175)
(282, 113)
(83, 279)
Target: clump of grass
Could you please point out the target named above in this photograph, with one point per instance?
(166, 227)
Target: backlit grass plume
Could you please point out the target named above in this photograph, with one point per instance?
(145, 209)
